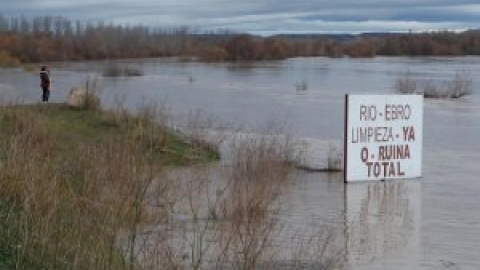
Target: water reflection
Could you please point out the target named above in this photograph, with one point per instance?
(376, 225)
(382, 222)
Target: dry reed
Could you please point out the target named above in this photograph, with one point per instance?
(67, 209)
(458, 86)
(110, 206)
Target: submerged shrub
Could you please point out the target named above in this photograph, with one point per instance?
(406, 85)
(114, 70)
(460, 85)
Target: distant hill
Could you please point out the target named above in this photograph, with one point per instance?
(295, 37)
(335, 37)
(308, 37)
(472, 31)
(341, 38)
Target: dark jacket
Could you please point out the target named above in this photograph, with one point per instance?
(45, 79)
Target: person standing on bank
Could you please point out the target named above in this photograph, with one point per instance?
(45, 83)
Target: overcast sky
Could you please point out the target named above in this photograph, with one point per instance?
(265, 16)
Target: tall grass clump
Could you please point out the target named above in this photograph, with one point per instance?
(91, 101)
(76, 189)
(202, 132)
(334, 158)
(458, 86)
(229, 221)
(86, 97)
(259, 177)
(405, 84)
(301, 86)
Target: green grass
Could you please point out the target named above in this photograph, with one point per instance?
(70, 128)
(11, 216)
(7, 250)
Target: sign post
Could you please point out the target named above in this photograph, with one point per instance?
(383, 137)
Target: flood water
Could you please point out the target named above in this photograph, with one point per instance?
(429, 223)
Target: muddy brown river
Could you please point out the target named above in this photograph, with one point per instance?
(427, 223)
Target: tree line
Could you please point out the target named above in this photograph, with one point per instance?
(49, 38)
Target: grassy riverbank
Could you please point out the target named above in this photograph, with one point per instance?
(68, 128)
(84, 189)
(73, 181)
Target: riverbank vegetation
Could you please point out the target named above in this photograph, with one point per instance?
(86, 189)
(25, 40)
(72, 181)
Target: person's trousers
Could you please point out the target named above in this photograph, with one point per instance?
(45, 94)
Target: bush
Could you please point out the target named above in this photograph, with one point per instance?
(244, 48)
(91, 101)
(301, 86)
(215, 54)
(85, 98)
(7, 60)
(276, 49)
(76, 192)
(29, 68)
(460, 85)
(361, 48)
(406, 85)
(114, 70)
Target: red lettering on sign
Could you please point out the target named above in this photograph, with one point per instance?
(409, 134)
(397, 112)
(390, 152)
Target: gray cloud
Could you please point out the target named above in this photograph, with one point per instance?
(265, 16)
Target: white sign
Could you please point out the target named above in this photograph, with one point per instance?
(383, 137)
